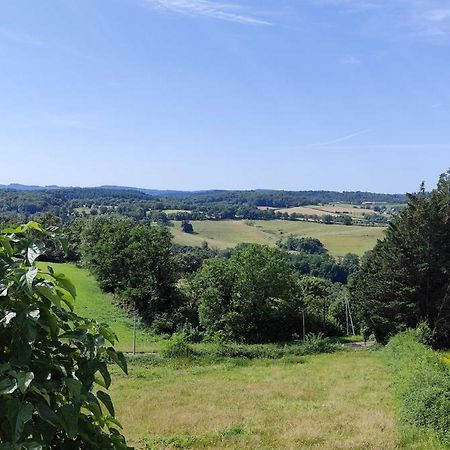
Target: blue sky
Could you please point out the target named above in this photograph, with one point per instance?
(236, 94)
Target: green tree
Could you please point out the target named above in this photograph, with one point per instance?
(187, 227)
(135, 262)
(253, 296)
(50, 358)
(405, 279)
(151, 273)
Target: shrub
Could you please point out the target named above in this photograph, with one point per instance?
(422, 383)
(313, 344)
(230, 350)
(316, 343)
(178, 347)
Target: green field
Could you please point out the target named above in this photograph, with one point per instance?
(342, 400)
(92, 302)
(339, 239)
(335, 209)
(327, 401)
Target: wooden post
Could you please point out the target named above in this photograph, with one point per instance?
(134, 334)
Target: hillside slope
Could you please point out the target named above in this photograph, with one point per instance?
(93, 303)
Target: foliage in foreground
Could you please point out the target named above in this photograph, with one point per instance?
(50, 358)
(422, 383)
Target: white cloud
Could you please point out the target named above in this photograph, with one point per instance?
(207, 8)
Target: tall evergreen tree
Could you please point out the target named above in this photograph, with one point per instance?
(406, 278)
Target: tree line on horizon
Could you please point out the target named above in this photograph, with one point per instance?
(70, 203)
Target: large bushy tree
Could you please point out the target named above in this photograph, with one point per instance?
(253, 296)
(53, 363)
(406, 278)
(135, 262)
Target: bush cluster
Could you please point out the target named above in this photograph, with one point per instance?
(422, 382)
(179, 346)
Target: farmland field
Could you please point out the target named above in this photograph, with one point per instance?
(339, 239)
(322, 210)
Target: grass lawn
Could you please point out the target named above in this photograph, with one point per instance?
(333, 401)
(339, 239)
(93, 303)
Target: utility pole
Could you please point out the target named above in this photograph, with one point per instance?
(303, 321)
(134, 334)
(346, 316)
(350, 317)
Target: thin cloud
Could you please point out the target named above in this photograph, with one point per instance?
(207, 8)
(342, 138)
(19, 38)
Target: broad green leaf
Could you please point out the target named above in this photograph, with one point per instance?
(108, 333)
(74, 387)
(30, 226)
(24, 380)
(106, 400)
(69, 300)
(19, 414)
(7, 386)
(103, 369)
(65, 283)
(93, 405)
(6, 245)
(118, 358)
(69, 415)
(49, 293)
(48, 415)
(35, 249)
(26, 281)
(4, 286)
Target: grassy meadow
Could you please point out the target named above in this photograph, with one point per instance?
(322, 210)
(339, 239)
(333, 401)
(341, 400)
(92, 302)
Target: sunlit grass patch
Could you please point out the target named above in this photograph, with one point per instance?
(339, 400)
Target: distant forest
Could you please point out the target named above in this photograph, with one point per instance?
(21, 203)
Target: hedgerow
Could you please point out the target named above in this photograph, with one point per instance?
(422, 384)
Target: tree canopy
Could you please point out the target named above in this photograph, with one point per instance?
(406, 278)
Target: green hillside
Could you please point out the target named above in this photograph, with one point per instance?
(93, 303)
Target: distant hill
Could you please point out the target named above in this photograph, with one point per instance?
(25, 187)
(168, 192)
